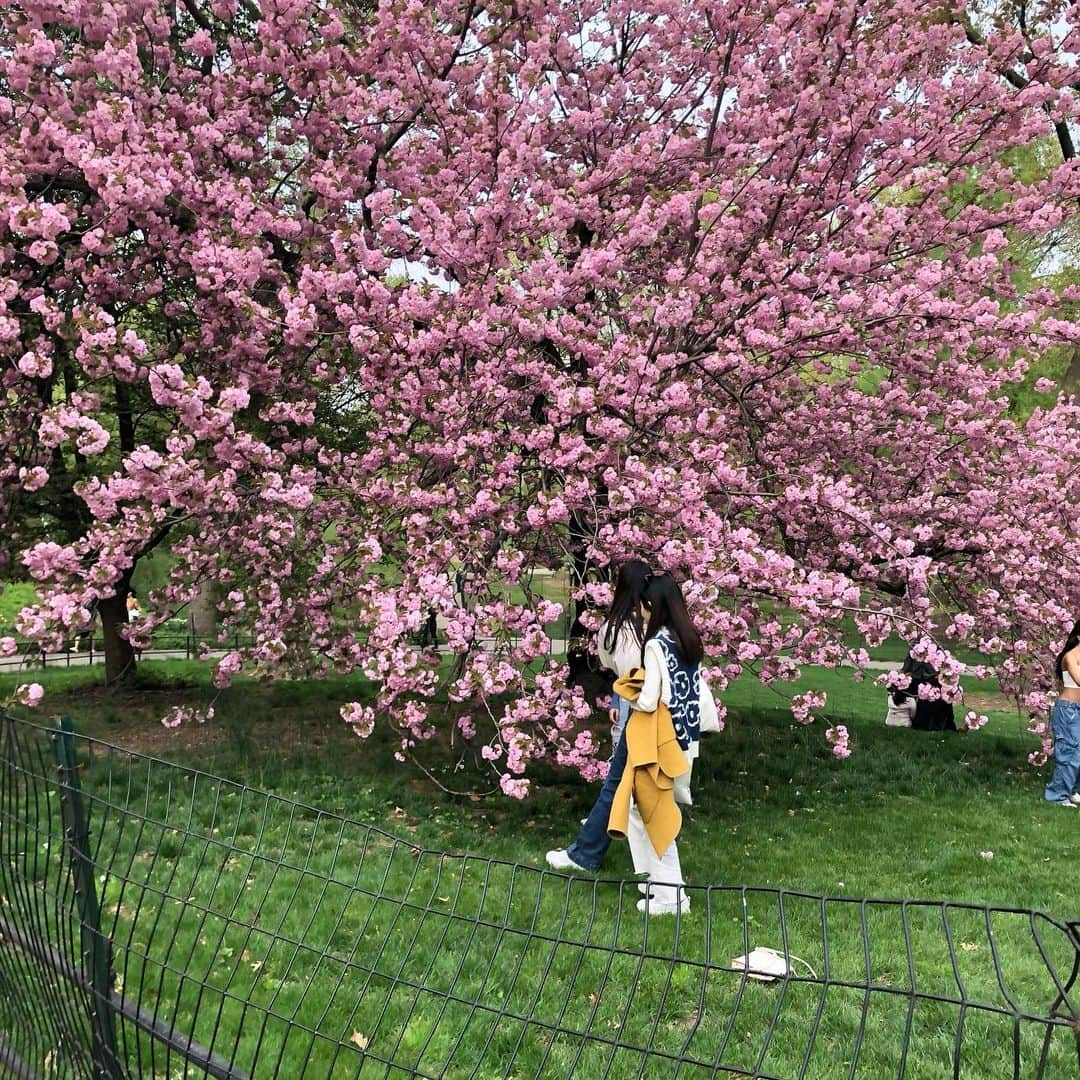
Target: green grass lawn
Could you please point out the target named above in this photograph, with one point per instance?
(278, 932)
(14, 596)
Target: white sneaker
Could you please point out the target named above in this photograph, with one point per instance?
(1068, 803)
(651, 906)
(1074, 798)
(560, 860)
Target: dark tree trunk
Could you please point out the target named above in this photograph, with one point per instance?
(120, 657)
(584, 668)
(585, 672)
(125, 418)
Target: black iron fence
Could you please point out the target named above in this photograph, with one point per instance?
(166, 644)
(157, 921)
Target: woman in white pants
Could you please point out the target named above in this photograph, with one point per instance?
(671, 657)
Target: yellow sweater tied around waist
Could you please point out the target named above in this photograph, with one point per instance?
(653, 760)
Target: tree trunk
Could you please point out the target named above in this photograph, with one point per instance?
(1070, 382)
(583, 668)
(203, 611)
(119, 655)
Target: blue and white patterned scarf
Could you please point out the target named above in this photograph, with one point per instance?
(685, 692)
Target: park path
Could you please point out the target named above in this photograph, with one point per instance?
(36, 662)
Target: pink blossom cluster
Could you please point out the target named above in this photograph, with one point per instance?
(802, 705)
(361, 718)
(29, 694)
(1040, 729)
(514, 788)
(376, 315)
(179, 715)
(838, 738)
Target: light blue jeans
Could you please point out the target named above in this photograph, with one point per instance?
(619, 726)
(1066, 721)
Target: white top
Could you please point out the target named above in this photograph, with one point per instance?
(1067, 680)
(900, 715)
(657, 688)
(627, 652)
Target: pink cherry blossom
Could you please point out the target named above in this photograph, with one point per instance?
(838, 737)
(373, 317)
(29, 694)
(361, 718)
(515, 789)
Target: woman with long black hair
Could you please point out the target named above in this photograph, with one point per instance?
(670, 652)
(622, 635)
(1066, 723)
(619, 646)
(671, 656)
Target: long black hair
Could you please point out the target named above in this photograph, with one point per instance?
(667, 608)
(1070, 643)
(626, 605)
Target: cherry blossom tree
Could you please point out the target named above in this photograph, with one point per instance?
(424, 298)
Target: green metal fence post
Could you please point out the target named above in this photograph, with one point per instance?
(96, 947)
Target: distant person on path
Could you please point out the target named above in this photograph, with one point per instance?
(620, 642)
(931, 714)
(1065, 719)
(134, 614)
(429, 631)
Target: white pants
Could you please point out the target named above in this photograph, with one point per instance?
(663, 868)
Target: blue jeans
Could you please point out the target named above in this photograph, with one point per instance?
(591, 845)
(623, 706)
(1066, 721)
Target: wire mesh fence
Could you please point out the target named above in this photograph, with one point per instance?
(157, 921)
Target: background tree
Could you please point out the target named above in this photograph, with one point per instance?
(666, 279)
(1029, 27)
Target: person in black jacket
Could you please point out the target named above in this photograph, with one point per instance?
(930, 715)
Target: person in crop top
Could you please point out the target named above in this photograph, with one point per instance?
(1066, 723)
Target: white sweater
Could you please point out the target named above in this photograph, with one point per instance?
(657, 688)
(627, 652)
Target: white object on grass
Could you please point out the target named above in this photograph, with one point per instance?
(767, 965)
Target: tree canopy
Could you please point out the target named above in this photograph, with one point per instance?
(373, 312)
